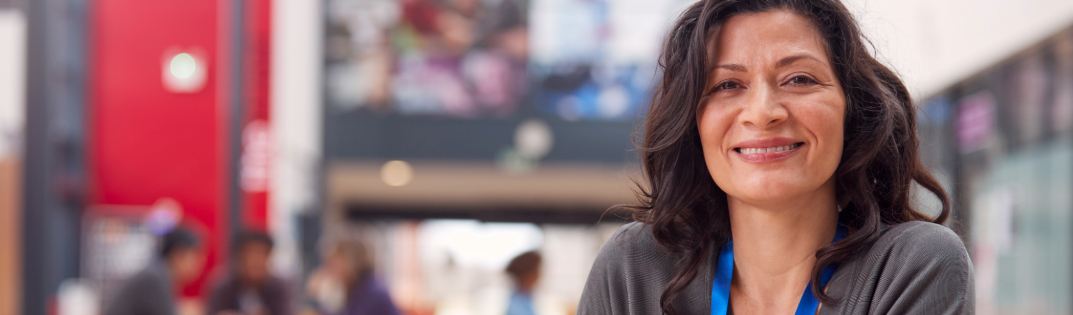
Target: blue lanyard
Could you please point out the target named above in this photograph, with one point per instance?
(724, 273)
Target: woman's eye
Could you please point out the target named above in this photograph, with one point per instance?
(729, 85)
(723, 87)
(802, 80)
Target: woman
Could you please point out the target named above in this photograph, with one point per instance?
(345, 284)
(779, 156)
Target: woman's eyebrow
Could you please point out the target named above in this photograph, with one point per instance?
(791, 59)
(732, 67)
(782, 63)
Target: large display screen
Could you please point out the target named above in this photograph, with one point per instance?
(462, 58)
(495, 59)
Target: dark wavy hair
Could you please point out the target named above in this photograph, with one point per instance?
(688, 213)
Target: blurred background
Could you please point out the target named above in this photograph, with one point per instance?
(448, 137)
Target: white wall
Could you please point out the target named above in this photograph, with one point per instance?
(12, 120)
(12, 81)
(936, 43)
(296, 122)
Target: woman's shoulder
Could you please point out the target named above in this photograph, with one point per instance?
(630, 273)
(632, 246)
(922, 240)
(634, 243)
(630, 237)
(922, 260)
(916, 247)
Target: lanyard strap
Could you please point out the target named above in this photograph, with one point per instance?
(724, 274)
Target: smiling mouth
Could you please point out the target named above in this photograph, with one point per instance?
(748, 151)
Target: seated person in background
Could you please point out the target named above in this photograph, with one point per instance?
(345, 284)
(525, 270)
(249, 288)
(152, 290)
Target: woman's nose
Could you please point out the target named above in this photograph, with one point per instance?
(762, 109)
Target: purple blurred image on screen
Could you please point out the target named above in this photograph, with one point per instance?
(576, 59)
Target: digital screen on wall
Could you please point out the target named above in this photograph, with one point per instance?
(576, 59)
(469, 71)
(595, 59)
(457, 59)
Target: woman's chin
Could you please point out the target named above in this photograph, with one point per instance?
(768, 193)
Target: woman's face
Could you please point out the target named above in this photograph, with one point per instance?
(771, 121)
(338, 264)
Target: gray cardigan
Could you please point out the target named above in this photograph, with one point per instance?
(914, 268)
(149, 292)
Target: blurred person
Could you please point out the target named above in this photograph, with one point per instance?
(525, 271)
(250, 288)
(779, 156)
(345, 283)
(152, 290)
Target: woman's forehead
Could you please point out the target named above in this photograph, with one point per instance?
(766, 37)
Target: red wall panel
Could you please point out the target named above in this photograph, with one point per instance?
(147, 143)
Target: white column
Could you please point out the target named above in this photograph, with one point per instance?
(295, 97)
(12, 81)
(12, 120)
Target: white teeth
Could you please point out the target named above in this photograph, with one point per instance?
(768, 150)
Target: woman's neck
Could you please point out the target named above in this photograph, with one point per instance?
(775, 248)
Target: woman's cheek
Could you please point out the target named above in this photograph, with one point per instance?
(827, 121)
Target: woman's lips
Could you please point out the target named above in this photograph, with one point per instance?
(768, 154)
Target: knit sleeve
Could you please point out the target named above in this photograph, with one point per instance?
(601, 284)
(632, 270)
(927, 271)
